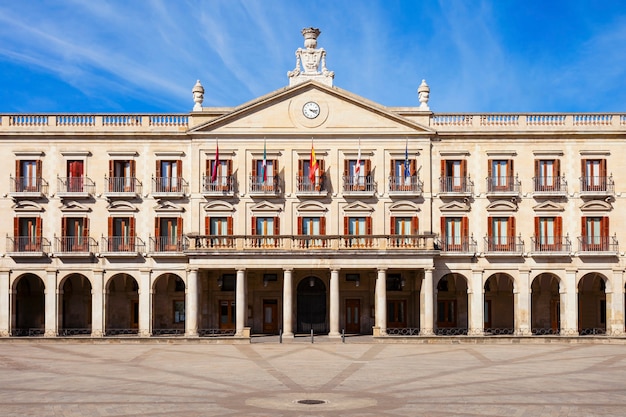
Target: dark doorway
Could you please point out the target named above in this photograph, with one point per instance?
(312, 306)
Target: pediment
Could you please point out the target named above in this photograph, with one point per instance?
(548, 206)
(358, 208)
(502, 205)
(219, 207)
(74, 207)
(455, 206)
(281, 111)
(266, 207)
(26, 205)
(596, 205)
(311, 207)
(168, 207)
(404, 208)
(122, 206)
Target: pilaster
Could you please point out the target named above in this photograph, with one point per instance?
(615, 304)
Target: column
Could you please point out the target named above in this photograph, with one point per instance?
(380, 328)
(5, 303)
(191, 304)
(51, 318)
(97, 304)
(476, 304)
(240, 303)
(522, 303)
(427, 298)
(615, 304)
(334, 303)
(145, 303)
(569, 305)
(288, 303)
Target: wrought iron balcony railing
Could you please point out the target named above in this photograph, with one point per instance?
(122, 186)
(549, 185)
(602, 244)
(405, 185)
(503, 185)
(460, 244)
(359, 185)
(28, 185)
(169, 186)
(28, 245)
(304, 184)
(504, 244)
(75, 245)
(223, 185)
(590, 185)
(167, 244)
(270, 186)
(551, 244)
(75, 186)
(456, 185)
(122, 244)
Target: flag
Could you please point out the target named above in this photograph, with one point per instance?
(313, 167)
(264, 166)
(357, 168)
(407, 164)
(216, 163)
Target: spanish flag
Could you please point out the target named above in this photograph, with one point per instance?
(313, 168)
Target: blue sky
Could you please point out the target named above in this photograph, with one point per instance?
(83, 56)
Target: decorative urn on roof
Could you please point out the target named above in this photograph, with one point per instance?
(313, 61)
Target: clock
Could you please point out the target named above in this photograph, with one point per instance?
(311, 110)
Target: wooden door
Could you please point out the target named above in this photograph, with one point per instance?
(446, 313)
(270, 316)
(227, 314)
(396, 313)
(353, 316)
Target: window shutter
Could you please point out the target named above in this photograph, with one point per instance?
(299, 231)
(392, 229)
(320, 164)
(490, 168)
(583, 166)
(537, 173)
(346, 168)
(301, 168)
(464, 227)
(207, 167)
(602, 169)
(157, 227)
(604, 224)
(18, 169)
(111, 168)
(38, 165)
(16, 227)
(392, 172)
(463, 168)
(490, 227)
(368, 225)
(131, 226)
(442, 227)
(132, 169)
(346, 225)
(583, 226)
(229, 226)
(179, 169)
(443, 169)
(229, 167)
(511, 226)
(275, 168)
(557, 168)
(537, 228)
(368, 167)
(413, 167)
(85, 227)
(179, 228)
(509, 166)
(110, 227)
(322, 225)
(276, 225)
(207, 225)
(253, 226)
(254, 165)
(558, 228)
(38, 227)
(64, 227)
(414, 225)
(158, 169)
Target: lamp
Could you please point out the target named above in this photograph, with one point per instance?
(402, 282)
(265, 281)
(357, 282)
(311, 282)
(220, 282)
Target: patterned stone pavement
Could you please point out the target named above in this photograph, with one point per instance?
(358, 378)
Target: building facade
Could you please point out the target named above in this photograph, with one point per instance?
(312, 209)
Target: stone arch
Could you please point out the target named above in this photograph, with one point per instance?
(499, 304)
(545, 312)
(452, 310)
(75, 305)
(168, 304)
(28, 311)
(592, 304)
(122, 305)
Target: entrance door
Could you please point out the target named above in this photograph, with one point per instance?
(227, 314)
(396, 314)
(446, 313)
(270, 316)
(353, 316)
(487, 313)
(311, 306)
(555, 315)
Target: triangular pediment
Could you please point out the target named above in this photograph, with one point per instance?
(337, 110)
(596, 205)
(358, 208)
(502, 205)
(453, 206)
(266, 207)
(74, 207)
(548, 206)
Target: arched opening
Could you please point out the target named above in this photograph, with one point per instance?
(592, 312)
(168, 305)
(499, 305)
(311, 310)
(122, 305)
(545, 305)
(452, 309)
(75, 306)
(29, 306)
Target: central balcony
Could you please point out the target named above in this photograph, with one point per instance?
(169, 187)
(307, 187)
(359, 186)
(268, 187)
(550, 245)
(549, 187)
(75, 187)
(498, 186)
(405, 186)
(456, 186)
(125, 187)
(221, 186)
(504, 245)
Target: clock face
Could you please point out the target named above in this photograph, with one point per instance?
(311, 110)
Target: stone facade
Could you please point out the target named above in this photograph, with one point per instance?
(312, 208)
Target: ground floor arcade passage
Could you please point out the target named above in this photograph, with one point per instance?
(383, 301)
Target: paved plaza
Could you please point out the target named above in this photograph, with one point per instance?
(356, 378)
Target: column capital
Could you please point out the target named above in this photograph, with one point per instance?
(240, 269)
(188, 270)
(383, 269)
(287, 269)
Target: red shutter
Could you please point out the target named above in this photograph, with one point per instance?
(38, 227)
(320, 164)
(275, 168)
(110, 226)
(64, 227)
(368, 225)
(463, 168)
(583, 227)
(604, 225)
(229, 167)
(413, 167)
(158, 169)
(18, 169)
(207, 225)
(368, 167)
(207, 168)
(277, 226)
(464, 227)
(38, 164)
(443, 168)
(510, 168)
(558, 228)
(179, 228)
(392, 168)
(132, 169)
(179, 169)
(322, 225)
(131, 226)
(537, 229)
(537, 173)
(583, 170)
(254, 164)
(511, 226)
(602, 170)
(301, 169)
(299, 231)
(490, 227)
(157, 227)
(392, 229)
(414, 225)
(229, 226)
(557, 168)
(253, 227)
(346, 168)
(111, 168)
(490, 168)
(346, 225)
(16, 227)
(442, 226)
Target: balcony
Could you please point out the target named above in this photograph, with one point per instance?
(122, 246)
(27, 246)
(124, 187)
(75, 246)
(169, 187)
(597, 186)
(549, 187)
(405, 186)
(503, 186)
(27, 187)
(359, 186)
(222, 186)
(456, 186)
(550, 245)
(461, 246)
(271, 187)
(598, 245)
(167, 246)
(505, 246)
(75, 187)
(307, 188)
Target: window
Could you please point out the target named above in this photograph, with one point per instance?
(74, 234)
(403, 226)
(121, 234)
(394, 282)
(219, 226)
(266, 226)
(453, 176)
(593, 175)
(227, 282)
(168, 176)
(121, 176)
(264, 175)
(27, 234)
(455, 232)
(595, 233)
(179, 311)
(356, 174)
(311, 226)
(28, 175)
(500, 175)
(547, 175)
(218, 178)
(548, 231)
(357, 226)
(305, 181)
(75, 173)
(169, 234)
(501, 234)
(402, 177)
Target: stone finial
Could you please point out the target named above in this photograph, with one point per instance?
(313, 61)
(423, 94)
(198, 96)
